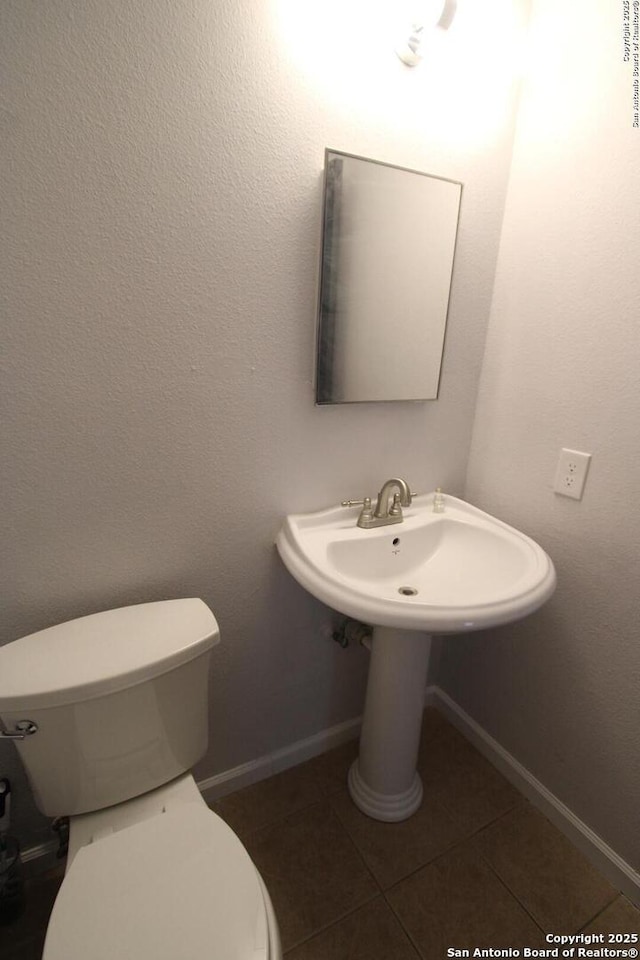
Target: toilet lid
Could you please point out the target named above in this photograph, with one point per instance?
(179, 885)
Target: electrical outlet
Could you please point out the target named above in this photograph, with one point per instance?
(571, 473)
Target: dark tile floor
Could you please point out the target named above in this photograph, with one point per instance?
(477, 866)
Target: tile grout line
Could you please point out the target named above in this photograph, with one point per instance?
(600, 912)
(510, 891)
(378, 892)
(620, 874)
(355, 847)
(440, 856)
(402, 926)
(443, 853)
(411, 873)
(519, 901)
(332, 923)
(279, 819)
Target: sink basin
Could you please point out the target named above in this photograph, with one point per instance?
(445, 572)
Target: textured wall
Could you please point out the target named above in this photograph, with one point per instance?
(561, 690)
(161, 210)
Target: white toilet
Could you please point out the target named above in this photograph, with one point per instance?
(113, 710)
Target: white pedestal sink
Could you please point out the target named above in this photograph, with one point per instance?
(441, 573)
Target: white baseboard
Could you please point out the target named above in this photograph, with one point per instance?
(247, 773)
(620, 873)
(617, 870)
(42, 857)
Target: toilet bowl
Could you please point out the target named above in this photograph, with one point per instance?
(115, 705)
(166, 879)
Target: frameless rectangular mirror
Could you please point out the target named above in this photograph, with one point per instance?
(388, 243)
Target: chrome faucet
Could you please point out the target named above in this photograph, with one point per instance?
(383, 513)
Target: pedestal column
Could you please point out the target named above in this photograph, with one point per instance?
(383, 781)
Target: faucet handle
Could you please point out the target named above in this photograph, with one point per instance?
(366, 514)
(396, 507)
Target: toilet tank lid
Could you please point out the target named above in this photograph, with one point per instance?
(103, 653)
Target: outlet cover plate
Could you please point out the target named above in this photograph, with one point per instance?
(571, 473)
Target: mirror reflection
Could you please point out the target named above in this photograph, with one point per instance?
(388, 244)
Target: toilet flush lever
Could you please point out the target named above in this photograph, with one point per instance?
(23, 728)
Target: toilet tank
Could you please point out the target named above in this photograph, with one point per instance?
(119, 699)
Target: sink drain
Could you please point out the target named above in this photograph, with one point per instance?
(407, 591)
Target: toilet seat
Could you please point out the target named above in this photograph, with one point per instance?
(178, 885)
